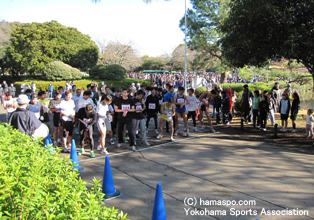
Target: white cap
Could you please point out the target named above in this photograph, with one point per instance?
(22, 100)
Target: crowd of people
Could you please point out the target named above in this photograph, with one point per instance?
(128, 112)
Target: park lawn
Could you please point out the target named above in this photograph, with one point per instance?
(81, 84)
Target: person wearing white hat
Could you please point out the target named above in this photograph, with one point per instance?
(23, 120)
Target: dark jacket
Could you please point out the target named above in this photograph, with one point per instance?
(263, 107)
(82, 114)
(295, 106)
(25, 121)
(225, 105)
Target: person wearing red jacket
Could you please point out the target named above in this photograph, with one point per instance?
(229, 95)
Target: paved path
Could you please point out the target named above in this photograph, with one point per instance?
(208, 167)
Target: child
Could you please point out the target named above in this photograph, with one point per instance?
(167, 111)
(263, 109)
(294, 110)
(192, 107)
(230, 99)
(225, 107)
(284, 110)
(309, 123)
(255, 108)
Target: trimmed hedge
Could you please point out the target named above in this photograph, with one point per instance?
(125, 83)
(57, 70)
(110, 72)
(35, 184)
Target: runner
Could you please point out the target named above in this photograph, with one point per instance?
(34, 106)
(67, 107)
(44, 113)
(138, 117)
(168, 95)
(180, 101)
(9, 105)
(152, 108)
(103, 122)
(76, 97)
(124, 107)
(168, 111)
(87, 118)
(206, 98)
(54, 107)
(192, 107)
(85, 100)
(115, 115)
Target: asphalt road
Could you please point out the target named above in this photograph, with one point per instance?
(208, 167)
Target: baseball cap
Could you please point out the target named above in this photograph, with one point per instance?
(22, 100)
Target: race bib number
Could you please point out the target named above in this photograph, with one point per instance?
(125, 107)
(160, 102)
(180, 101)
(45, 108)
(169, 114)
(152, 106)
(138, 107)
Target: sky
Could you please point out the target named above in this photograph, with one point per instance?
(153, 29)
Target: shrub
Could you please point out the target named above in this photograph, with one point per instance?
(35, 184)
(57, 71)
(200, 90)
(110, 72)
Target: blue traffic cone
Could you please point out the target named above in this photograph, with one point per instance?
(159, 212)
(107, 183)
(74, 157)
(48, 143)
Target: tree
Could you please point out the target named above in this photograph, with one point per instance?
(259, 30)
(204, 24)
(33, 45)
(155, 63)
(177, 58)
(118, 53)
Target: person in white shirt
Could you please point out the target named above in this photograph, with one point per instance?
(76, 97)
(192, 107)
(85, 100)
(67, 107)
(309, 123)
(103, 122)
(9, 105)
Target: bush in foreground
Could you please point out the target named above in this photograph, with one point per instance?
(37, 185)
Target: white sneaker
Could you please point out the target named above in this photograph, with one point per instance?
(176, 133)
(293, 130)
(202, 127)
(212, 130)
(99, 147)
(65, 150)
(159, 136)
(82, 151)
(134, 148)
(195, 129)
(284, 130)
(105, 152)
(111, 141)
(171, 139)
(118, 145)
(188, 134)
(146, 143)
